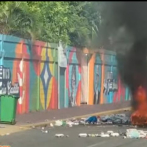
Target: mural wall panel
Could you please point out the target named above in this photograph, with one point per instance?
(34, 70)
(97, 83)
(73, 78)
(108, 87)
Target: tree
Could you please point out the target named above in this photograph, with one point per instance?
(17, 18)
(66, 21)
(75, 23)
(78, 29)
(54, 19)
(86, 26)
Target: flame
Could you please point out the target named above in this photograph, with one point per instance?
(139, 117)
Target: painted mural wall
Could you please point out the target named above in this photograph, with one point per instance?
(105, 85)
(35, 69)
(73, 77)
(43, 85)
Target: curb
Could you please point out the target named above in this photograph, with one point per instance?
(76, 117)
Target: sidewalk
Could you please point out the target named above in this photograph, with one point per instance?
(52, 115)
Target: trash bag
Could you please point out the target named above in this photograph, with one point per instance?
(116, 119)
(92, 119)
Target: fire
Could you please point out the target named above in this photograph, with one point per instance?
(139, 117)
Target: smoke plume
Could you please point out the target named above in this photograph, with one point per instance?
(124, 29)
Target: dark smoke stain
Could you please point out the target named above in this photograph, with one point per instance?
(124, 29)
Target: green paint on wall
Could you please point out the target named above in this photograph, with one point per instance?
(35, 97)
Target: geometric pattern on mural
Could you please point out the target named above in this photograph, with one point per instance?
(46, 77)
(40, 84)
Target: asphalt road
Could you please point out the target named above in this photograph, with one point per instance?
(35, 138)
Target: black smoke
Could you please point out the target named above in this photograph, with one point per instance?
(124, 29)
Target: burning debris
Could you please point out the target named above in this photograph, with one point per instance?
(125, 30)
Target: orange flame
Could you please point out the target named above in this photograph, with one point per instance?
(139, 117)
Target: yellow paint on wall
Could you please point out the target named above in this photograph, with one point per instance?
(42, 96)
(51, 68)
(43, 53)
(41, 67)
(49, 92)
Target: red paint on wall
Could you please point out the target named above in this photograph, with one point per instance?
(54, 96)
(120, 93)
(22, 51)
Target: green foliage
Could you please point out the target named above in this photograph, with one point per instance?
(75, 23)
(17, 18)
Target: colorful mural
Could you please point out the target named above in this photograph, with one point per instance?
(35, 68)
(107, 84)
(97, 83)
(73, 78)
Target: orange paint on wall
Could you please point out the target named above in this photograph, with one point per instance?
(102, 81)
(91, 80)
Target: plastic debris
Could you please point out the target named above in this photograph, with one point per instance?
(93, 135)
(83, 135)
(83, 119)
(58, 123)
(116, 119)
(76, 123)
(115, 134)
(42, 128)
(104, 135)
(51, 125)
(69, 123)
(132, 133)
(64, 123)
(142, 134)
(59, 135)
(45, 131)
